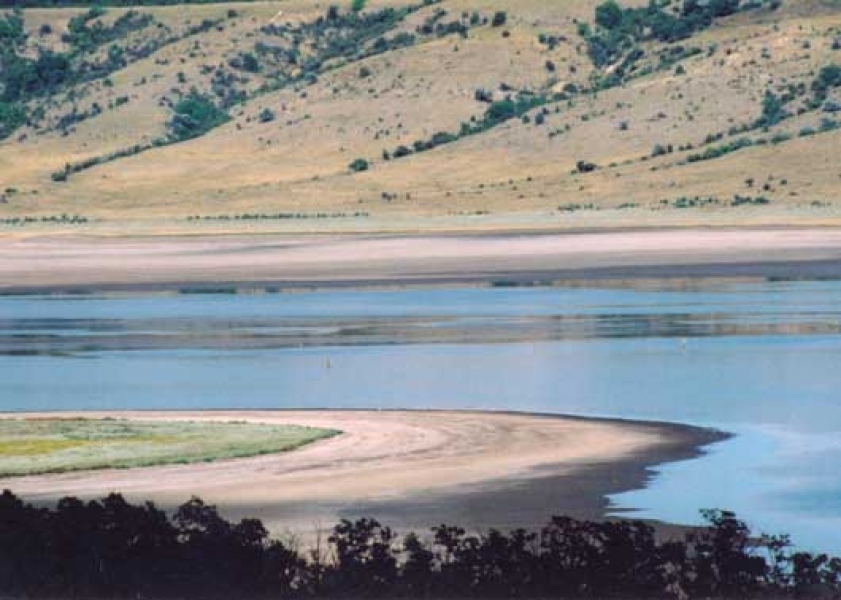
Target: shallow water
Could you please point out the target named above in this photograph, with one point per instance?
(760, 360)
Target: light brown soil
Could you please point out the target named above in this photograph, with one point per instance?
(67, 262)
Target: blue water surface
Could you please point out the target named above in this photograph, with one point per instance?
(777, 387)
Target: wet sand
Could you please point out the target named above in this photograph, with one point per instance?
(75, 263)
(411, 469)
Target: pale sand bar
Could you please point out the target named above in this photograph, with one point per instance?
(417, 467)
(51, 263)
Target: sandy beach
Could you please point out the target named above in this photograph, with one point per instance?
(421, 467)
(74, 263)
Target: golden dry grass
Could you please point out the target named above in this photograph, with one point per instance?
(515, 175)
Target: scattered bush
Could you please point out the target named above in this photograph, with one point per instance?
(828, 78)
(62, 219)
(245, 61)
(360, 164)
(278, 216)
(780, 137)
(619, 31)
(496, 113)
(500, 18)
(573, 207)
(86, 32)
(743, 200)
(583, 166)
(690, 202)
(773, 110)
(661, 150)
(719, 151)
(483, 96)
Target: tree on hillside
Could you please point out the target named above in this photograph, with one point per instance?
(195, 114)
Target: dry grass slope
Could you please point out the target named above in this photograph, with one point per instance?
(298, 124)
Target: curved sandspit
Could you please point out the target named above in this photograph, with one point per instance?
(408, 468)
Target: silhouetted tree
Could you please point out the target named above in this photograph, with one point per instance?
(365, 560)
(110, 548)
(725, 564)
(417, 570)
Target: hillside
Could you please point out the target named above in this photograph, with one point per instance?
(419, 115)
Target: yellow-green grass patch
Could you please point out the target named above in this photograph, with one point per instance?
(45, 445)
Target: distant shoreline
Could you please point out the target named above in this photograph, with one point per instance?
(202, 264)
(410, 469)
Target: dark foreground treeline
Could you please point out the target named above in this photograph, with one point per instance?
(110, 548)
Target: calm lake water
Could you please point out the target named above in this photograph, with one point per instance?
(759, 360)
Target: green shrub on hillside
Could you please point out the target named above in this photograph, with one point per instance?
(12, 32)
(358, 165)
(510, 108)
(12, 116)
(498, 112)
(719, 151)
(773, 110)
(22, 77)
(195, 115)
(619, 30)
(245, 61)
(828, 78)
(748, 200)
(30, 73)
(86, 31)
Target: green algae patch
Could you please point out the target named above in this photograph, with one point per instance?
(34, 446)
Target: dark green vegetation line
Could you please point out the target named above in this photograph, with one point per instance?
(113, 549)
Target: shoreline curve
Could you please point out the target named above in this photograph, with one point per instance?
(409, 468)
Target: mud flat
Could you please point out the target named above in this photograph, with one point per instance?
(68, 263)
